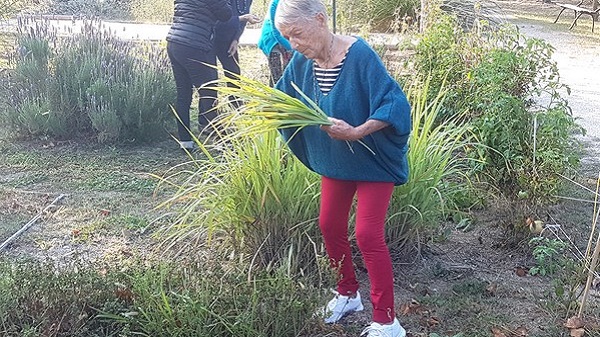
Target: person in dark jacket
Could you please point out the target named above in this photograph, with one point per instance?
(189, 45)
(227, 36)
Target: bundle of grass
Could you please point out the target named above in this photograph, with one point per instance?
(263, 108)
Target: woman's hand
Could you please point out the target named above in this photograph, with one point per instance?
(343, 131)
(233, 48)
(250, 18)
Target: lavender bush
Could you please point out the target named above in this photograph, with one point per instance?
(86, 84)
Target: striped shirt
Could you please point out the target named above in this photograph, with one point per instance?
(326, 77)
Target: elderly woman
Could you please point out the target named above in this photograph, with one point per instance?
(347, 79)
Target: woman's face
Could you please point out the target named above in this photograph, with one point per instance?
(305, 37)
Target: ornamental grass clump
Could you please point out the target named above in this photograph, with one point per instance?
(438, 169)
(253, 197)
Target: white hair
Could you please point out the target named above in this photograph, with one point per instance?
(291, 11)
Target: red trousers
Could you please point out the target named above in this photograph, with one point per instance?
(373, 199)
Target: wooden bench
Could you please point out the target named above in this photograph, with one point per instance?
(579, 11)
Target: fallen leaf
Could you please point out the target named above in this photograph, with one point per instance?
(521, 332)
(104, 212)
(433, 321)
(529, 221)
(498, 333)
(75, 232)
(574, 323)
(520, 271)
(413, 307)
(577, 332)
(491, 289)
(536, 227)
(124, 294)
(404, 309)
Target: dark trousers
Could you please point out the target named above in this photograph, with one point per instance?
(190, 74)
(278, 59)
(230, 64)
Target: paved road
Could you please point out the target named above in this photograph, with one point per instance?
(128, 31)
(157, 32)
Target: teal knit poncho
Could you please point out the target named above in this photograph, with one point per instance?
(364, 90)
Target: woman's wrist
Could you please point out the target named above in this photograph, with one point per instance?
(368, 127)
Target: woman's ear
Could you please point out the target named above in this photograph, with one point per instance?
(321, 19)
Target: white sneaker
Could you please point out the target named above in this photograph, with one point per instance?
(187, 145)
(341, 306)
(384, 330)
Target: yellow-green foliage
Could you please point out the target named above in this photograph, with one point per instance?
(256, 193)
(159, 11)
(265, 108)
(437, 170)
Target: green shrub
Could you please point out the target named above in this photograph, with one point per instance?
(152, 11)
(511, 90)
(379, 15)
(10, 7)
(389, 15)
(88, 83)
(216, 298)
(214, 295)
(104, 9)
(36, 299)
(548, 254)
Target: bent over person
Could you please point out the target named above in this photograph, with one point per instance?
(348, 81)
(189, 45)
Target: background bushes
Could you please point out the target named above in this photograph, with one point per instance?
(88, 84)
(509, 90)
(104, 9)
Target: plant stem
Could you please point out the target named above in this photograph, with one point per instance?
(594, 260)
